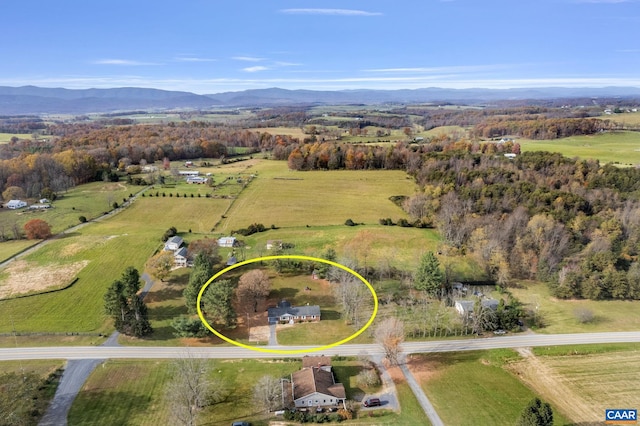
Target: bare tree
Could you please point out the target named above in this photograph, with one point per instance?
(254, 286)
(267, 393)
(191, 389)
(352, 296)
(390, 335)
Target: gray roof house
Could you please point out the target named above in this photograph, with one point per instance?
(173, 243)
(465, 307)
(284, 312)
(180, 257)
(317, 387)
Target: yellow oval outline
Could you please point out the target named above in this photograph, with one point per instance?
(284, 351)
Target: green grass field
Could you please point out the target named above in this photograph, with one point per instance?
(133, 392)
(11, 247)
(473, 388)
(612, 147)
(6, 137)
(285, 198)
(90, 200)
(560, 315)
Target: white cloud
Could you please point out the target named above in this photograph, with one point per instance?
(339, 12)
(247, 58)
(460, 68)
(124, 62)
(193, 59)
(255, 69)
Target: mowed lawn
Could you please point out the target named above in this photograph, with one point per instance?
(127, 239)
(610, 147)
(11, 247)
(282, 197)
(134, 392)
(561, 316)
(473, 388)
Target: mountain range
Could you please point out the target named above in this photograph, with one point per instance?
(40, 100)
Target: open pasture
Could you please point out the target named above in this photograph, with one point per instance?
(134, 392)
(474, 388)
(6, 137)
(561, 316)
(611, 147)
(583, 386)
(286, 198)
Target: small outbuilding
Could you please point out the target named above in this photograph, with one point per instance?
(227, 242)
(173, 243)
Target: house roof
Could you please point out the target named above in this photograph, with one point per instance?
(294, 311)
(467, 305)
(315, 361)
(314, 379)
(175, 239)
(15, 202)
(182, 251)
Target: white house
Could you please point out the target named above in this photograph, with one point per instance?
(173, 243)
(227, 242)
(465, 307)
(188, 172)
(15, 204)
(180, 257)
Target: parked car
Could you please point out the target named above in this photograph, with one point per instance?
(240, 424)
(372, 402)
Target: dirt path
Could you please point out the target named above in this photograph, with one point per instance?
(547, 382)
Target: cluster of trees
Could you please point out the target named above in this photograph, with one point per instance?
(126, 307)
(546, 128)
(78, 153)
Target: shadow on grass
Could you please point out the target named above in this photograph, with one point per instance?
(167, 293)
(284, 293)
(343, 375)
(330, 315)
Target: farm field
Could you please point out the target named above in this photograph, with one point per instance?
(127, 239)
(285, 198)
(11, 247)
(611, 147)
(561, 316)
(627, 118)
(90, 200)
(583, 385)
(474, 388)
(6, 137)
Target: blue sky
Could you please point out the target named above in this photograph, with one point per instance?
(211, 46)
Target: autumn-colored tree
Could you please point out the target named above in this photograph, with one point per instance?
(13, 193)
(390, 334)
(207, 246)
(37, 229)
(161, 264)
(253, 287)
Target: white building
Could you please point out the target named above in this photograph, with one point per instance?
(16, 204)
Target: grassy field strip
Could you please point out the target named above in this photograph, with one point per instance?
(285, 198)
(613, 147)
(473, 388)
(583, 386)
(560, 315)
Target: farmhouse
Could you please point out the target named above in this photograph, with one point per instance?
(227, 242)
(316, 387)
(285, 313)
(173, 243)
(465, 307)
(180, 257)
(15, 204)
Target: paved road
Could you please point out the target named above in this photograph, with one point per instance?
(137, 352)
(426, 405)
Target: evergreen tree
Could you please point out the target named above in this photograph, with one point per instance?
(128, 310)
(429, 278)
(537, 413)
(217, 303)
(201, 272)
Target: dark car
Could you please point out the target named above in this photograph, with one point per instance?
(240, 424)
(372, 402)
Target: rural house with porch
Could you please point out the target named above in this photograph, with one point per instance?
(286, 314)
